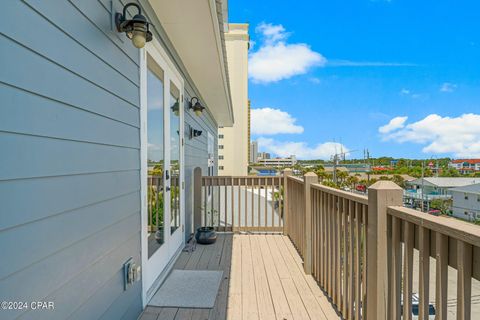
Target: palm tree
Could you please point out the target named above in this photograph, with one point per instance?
(352, 181)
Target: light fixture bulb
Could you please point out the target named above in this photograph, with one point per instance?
(198, 113)
(138, 39)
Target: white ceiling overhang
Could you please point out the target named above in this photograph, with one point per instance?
(194, 28)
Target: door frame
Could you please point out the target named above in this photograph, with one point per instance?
(156, 51)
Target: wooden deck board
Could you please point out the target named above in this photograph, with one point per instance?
(263, 279)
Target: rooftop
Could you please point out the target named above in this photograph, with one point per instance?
(471, 161)
(473, 188)
(446, 182)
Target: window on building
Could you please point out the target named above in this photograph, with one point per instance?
(220, 167)
(220, 136)
(220, 146)
(478, 198)
(466, 196)
(220, 157)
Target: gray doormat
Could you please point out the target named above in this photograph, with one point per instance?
(188, 289)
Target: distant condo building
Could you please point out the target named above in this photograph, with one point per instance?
(263, 155)
(253, 152)
(234, 142)
(465, 166)
(279, 162)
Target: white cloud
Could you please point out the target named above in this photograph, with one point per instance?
(448, 87)
(153, 146)
(276, 59)
(348, 63)
(409, 93)
(394, 124)
(300, 149)
(273, 121)
(271, 33)
(459, 136)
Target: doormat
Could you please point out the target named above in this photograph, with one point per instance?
(188, 289)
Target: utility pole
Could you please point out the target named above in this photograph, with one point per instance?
(368, 164)
(423, 179)
(335, 159)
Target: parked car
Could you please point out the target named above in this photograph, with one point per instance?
(361, 188)
(416, 308)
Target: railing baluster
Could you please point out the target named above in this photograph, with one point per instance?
(205, 203)
(212, 202)
(157, 204)
(314, 232)
(326, 268)
(351, 278)
(364, 260)
(358, 207)
(464, 280)
(253, 202)
(232, 207)
(246, 203)
(239, 225)
(441, 275)
(424, 272)
(343, 302)
(322, 239)
(329, 246)
(396, 272)
(272, 202)
(408, 236)
(259, 202)
(338, 237)
(219, 214)
(265, 215)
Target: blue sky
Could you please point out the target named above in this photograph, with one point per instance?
(401, 78)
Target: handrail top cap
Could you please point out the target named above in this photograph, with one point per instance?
(385, 185)
(310, 174)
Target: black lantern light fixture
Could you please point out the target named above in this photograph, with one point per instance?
(196, 107)
(136, 29)
(176, 108)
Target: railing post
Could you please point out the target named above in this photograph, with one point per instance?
(197, 198)
(287, 172)
(308, 179)
(380, 195)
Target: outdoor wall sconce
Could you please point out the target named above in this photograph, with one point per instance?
(136, 29)
(196, 107)
(176, 108)
(195, 133)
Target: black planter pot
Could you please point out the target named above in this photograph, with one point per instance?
(206, 235)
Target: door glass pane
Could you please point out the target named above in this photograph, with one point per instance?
(174, 158)
(155, 156)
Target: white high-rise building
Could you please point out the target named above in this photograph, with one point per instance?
(253, 152)
(234, 142)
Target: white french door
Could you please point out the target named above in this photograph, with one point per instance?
(162, 171)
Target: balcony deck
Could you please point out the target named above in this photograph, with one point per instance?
(264, 279)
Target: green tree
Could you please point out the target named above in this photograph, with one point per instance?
(443, 205)
(450, 172)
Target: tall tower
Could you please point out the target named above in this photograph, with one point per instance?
(234, 142)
